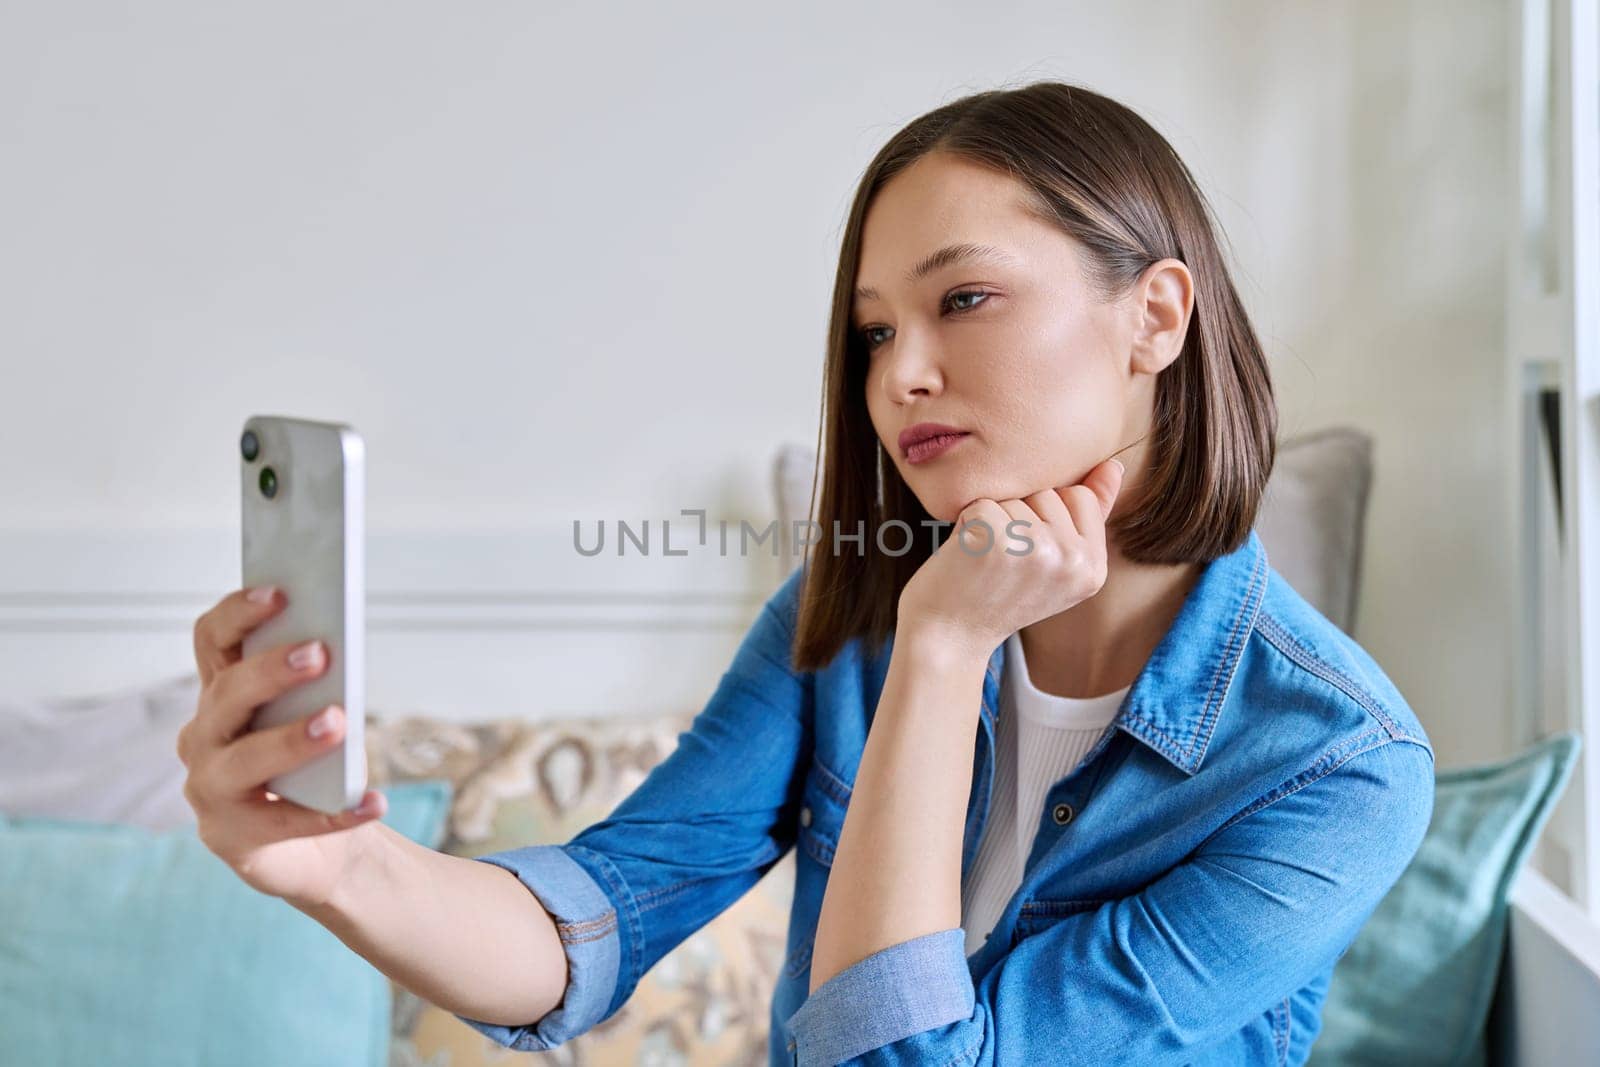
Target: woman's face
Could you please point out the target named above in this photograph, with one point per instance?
(1011, 346)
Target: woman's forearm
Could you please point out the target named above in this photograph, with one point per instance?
(897, 866)
(465, 935)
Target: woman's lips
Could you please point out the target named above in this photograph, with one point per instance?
(933, 447)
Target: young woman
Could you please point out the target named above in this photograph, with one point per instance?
(1089, 784)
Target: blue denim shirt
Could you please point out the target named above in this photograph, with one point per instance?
(1189, 888)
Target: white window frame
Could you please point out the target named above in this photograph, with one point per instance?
(1553, 349)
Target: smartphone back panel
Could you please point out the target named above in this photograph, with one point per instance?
(303, 531)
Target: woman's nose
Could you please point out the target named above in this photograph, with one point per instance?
(911, 371)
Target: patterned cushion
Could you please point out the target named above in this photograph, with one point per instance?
(521, 783)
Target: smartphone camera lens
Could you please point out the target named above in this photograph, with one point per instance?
(249, 447)
(269, 482)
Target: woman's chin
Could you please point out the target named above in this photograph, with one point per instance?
(945, 502)
(949, 511)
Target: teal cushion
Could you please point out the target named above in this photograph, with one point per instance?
(125, 945)
(1416, 984)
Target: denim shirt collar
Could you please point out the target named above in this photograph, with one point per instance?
(1172, 707)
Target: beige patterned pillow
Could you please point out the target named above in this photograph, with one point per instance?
(522, 783)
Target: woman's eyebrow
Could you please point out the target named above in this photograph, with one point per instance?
(945, 256)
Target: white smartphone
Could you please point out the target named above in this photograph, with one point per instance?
(303, 492)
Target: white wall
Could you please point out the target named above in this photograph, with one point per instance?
(563, 261)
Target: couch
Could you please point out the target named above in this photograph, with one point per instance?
(515, 782)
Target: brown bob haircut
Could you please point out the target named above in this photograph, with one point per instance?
(1106, 178)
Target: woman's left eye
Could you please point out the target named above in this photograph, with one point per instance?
(966, 292)
(866, 332)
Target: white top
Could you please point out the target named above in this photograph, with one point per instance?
(1052, 734)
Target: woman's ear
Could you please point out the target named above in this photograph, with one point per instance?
(1163, 301)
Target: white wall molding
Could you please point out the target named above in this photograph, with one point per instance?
(462, 624)
(599, 611)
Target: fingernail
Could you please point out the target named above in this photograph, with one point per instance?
(371, 804)
(261, 594)
(322, 722)
(300, 657)
(1120, 468)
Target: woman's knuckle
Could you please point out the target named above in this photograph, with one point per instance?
(224, 769)
(246, 683)
(220, 693)
(192, 794)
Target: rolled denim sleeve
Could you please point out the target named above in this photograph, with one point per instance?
(903, 990)
(1168, 975)
(586, 921)
(705, 824)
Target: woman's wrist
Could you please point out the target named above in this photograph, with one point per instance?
(373, 849)
(943, 643)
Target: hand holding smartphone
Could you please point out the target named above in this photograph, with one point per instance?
(302, 488)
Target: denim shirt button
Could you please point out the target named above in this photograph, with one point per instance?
(805, 816)
(1062, 814)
